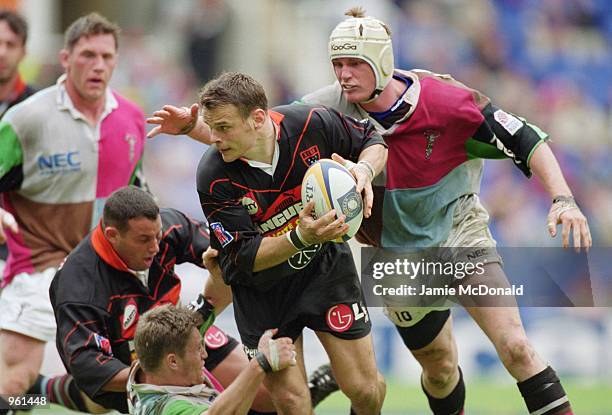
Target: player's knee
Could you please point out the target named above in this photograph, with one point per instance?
(516, 352)
(439, 366)
(364, 391)
(18, 380)
(292, 401)
(441, 375)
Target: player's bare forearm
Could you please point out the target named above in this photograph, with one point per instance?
(201, 132)
(239, 396)
(273, 250)
(376, 155)
(118, 382)
(217, 292)
(545, 166)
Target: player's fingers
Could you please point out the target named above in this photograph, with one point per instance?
(270, 332)
(307, 209)
(585, 234)
(171, 109)
(155, 131)
(209, 256)
(161, 114)
(154, 120)
(338, 158)
(551, 223)
(195, 109)
(565, 231)
(368, 201)
(361, 182)
(2, 235)
(575, 226)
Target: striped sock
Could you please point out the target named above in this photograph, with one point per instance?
(544, 395)
(61, 390)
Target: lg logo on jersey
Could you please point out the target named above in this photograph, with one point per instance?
(341, 317)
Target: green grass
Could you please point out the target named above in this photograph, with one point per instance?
(483, 398)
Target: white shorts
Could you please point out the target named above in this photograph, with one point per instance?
(470, 230)
(25, 306)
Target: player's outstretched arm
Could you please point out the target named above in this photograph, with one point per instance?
(178, 121)
(564, 209)
(273, 355)
(274, 250)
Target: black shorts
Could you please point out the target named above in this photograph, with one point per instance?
(218, 345)
(327, 298)
(425, 331)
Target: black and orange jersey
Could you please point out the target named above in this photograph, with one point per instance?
(244, 204)
(97, 301)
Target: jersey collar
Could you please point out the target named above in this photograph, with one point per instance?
(105, 250)
(65, 103)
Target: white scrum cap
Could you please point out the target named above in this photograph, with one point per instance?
(365, 38)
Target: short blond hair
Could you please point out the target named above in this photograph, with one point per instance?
(160, 331)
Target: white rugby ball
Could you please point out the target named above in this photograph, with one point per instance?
(332, 186)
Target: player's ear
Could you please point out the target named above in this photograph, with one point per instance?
(111, 233)
(258, 117)
(172, 361)
(63, 56)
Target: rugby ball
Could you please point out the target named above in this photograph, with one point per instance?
(331, 186)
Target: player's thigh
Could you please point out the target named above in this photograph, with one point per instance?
(496, 318)
(18, 350)
(351, 360)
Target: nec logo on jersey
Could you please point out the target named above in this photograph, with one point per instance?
(223, 236)
(310, 155)
(59, 163)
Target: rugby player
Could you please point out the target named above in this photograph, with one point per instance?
(277, 258)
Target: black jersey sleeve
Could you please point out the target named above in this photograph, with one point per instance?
(232, 232)
(509, 134)
(82, 339)
(187, 237)
(346, 135)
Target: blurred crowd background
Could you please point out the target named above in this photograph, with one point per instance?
(547, 60)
